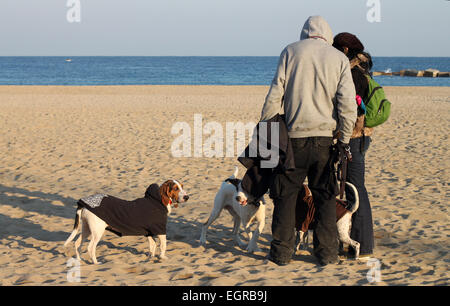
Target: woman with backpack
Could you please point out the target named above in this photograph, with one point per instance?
(361, 63)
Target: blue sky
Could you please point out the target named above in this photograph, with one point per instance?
(216, 27)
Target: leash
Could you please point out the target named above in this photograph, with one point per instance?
(344, 157)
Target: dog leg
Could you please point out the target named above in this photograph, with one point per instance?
(152, 245)
(85, 232)
(253, 237)
(253, 243)
(97, 227)
(249, 246)
(354, 244)
(76, 226)
(96, 236)
(261, 219)
(308, 238)
(303, 240)
(163, 245)
(344, 226)
(300, 240)
(237, 237)
(74, 233)
(91, 250)
(249, 233)
(236, 226)
(214, 215)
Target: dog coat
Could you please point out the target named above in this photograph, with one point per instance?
(145, 216)
(305, 212)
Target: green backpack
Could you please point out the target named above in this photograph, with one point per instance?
(378, 108)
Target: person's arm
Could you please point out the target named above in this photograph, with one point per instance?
(274, 98)
(346, 105)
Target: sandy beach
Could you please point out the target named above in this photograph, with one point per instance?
(62, 143)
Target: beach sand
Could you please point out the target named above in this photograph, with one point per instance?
(62, 143)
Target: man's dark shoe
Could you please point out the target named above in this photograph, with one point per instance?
(325, 262)
(278, 262)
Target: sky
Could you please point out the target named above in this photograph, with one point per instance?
(216, 27)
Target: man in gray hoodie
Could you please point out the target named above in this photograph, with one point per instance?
(313, 85)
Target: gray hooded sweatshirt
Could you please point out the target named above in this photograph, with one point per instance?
(314, 81)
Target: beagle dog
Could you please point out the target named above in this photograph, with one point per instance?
(344, 215)
(145, 216)
(242, 208)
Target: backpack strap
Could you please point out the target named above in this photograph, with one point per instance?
(372, 93)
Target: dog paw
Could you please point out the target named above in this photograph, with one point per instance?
(163, 257)
(252, 249)
(242, 244)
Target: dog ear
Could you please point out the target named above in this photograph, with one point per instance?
(164, 191)
(235, 182)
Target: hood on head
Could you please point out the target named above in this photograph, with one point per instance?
(153, 192)
(317, 26)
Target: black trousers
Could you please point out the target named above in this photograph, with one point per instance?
(313, 159)
(362, 225)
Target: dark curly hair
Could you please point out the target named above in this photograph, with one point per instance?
(350, 41)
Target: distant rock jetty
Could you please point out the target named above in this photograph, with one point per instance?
(429, 73)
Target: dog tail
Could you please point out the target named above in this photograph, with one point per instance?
(76, 226)
(235, 174)
(356, 205)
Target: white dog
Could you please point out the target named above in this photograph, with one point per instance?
(243, 210)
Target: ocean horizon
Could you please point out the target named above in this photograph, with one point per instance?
(184, 70)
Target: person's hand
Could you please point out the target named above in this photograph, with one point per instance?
(344, 150)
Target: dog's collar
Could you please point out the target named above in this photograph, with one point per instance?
(234, 182)
(173, 203)
(255, 203)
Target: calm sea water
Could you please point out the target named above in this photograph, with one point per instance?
(240, 70)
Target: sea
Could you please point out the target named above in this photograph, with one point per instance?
(185, 70)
